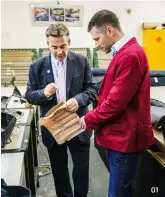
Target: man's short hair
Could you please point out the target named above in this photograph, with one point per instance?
(57, 30)
(103, 18)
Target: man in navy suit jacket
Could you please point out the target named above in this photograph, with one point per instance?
(80, 92)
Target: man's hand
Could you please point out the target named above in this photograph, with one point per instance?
(72, 105)
(82, 122)
(50, 89)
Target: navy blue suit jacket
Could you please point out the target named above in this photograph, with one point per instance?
(79, 85)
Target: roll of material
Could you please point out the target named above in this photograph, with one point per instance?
(157, 81)
(152, 25)
(98, 71)
(158, 116)
(157, 73)
(157, 77)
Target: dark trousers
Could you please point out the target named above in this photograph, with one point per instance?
(122, 172)
(59, 162)
(102, 152)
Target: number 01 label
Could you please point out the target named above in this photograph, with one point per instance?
(154, 190)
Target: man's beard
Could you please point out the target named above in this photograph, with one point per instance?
(108, 49)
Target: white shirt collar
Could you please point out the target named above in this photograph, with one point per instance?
(120, 43)
(55, 61)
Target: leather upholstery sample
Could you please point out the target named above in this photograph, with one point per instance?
(62, 124)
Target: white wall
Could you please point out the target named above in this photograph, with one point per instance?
(17, 31)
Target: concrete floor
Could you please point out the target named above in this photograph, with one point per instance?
(99, 176)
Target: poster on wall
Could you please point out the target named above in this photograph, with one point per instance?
(45, 14)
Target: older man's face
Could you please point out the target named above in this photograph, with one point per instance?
(59, 46)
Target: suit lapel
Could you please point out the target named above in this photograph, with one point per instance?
(49, 71)
(103, 80)
(49, 74)
(69, 71)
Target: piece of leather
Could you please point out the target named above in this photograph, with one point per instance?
(62, 124)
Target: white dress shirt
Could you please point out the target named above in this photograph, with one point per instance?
(119, 44)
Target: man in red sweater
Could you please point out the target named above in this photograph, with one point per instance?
(122, 119)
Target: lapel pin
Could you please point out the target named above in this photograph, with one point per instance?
(48, 71)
